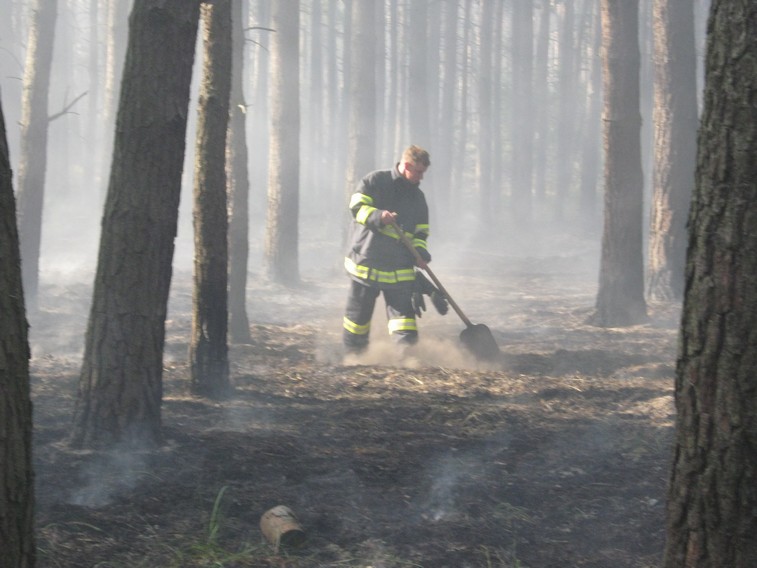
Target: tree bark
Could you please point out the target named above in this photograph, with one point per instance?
(208, 348)
(32, 165)
(566, 108)
(238, 184)
(486, 127)
(675, 128)
(522, 114)
(361, 147)
(17, 548)
(620, 299)
(712, 497)
(281, 246)
(120, 387)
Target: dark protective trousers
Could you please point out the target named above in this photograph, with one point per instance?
(360, 305)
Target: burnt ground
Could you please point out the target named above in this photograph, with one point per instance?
(554, 455)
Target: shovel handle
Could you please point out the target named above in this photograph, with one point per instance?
(420, 262)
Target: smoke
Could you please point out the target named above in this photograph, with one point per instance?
(108, 477)
(448, 475)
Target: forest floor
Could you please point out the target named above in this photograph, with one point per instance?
(554, 455)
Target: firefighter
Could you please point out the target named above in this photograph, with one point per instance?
(377, 261)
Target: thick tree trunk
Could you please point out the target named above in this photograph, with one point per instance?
(675, 128)
(32, 166)
(16, 477)
(713, 489)
(238, 184)
(208, 348)
(282, 230)
(120, 388)
(620, 299)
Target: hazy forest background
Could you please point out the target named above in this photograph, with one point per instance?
(490, 88)
(563, 144)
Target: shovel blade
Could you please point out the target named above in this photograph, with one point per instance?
(478, 339)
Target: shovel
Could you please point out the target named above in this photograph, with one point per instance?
(477, 338)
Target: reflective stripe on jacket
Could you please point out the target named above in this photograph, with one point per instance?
(376, 256)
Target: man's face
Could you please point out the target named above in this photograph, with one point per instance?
(414, 172)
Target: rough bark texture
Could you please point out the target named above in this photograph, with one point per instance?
(34, 131)
(120, 387)
(675, 124)
(713, 489)
(238, 184)
(208, 350)
(16, 476)
(281, 243)
(620, 299)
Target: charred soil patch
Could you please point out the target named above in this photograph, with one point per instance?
(554, 456)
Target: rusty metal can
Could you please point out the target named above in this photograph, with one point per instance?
(281, 528)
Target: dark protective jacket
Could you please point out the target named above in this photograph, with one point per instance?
(376, 256)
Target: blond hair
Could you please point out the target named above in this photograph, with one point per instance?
(416, 155)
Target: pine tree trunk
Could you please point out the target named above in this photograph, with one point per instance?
(361, 147)
(16, 477)
(522, 113)
(208, 348)
(120, 388)
(32, 166)
(712, 495)
(675, 134)
(238, 187)
(282, 236)
(620, 298)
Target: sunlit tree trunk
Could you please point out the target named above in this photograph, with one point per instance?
(712, 495)
(541, 102)
(390, 126)
(208, 348)
(675, 130)
(522, 113)
(566, 108)
(282, 229)
(117, 12)
(620, 298)
(313, 124)
(361, 146)
(94, 119)
(461, 158)
(444, 144)
(120, 387)
(238, 184)
(16, 476)
(13, 34)
(591, 152)
(419, 102)
(379, 32)
(486, 128)
(257, 125)
(334, 134)
(32, 166)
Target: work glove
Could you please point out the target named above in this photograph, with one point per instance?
(424, 254)
(440, 302)
(424, 286)
(419, 304)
